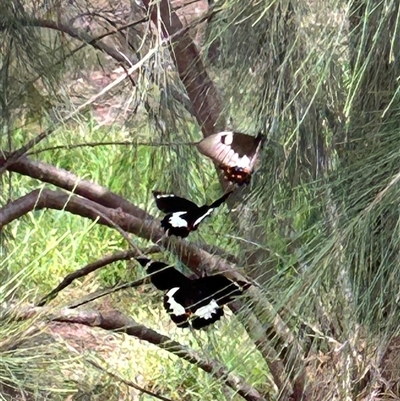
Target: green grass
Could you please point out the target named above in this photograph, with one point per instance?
(51, 244)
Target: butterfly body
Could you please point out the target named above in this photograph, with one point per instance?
(234, 152)
(183, 215)
(197, 303)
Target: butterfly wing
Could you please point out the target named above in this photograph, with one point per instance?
(235, 153)
(212, 294)
(206, 315)
(177, 224)
(220, 201)
(221, 288)
(175, 304)
(200, 302)
(189, 305)
(170, 203)
(182, 223)
(196, 217)
(233, 149)
(163, 276)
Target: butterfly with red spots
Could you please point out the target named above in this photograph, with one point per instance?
(235, 153)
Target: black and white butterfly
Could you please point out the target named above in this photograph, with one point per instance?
(235, 153)
(183, 215)
(197, 303)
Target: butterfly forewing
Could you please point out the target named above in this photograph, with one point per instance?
(170, 203)
(185, 215)
(164, 276)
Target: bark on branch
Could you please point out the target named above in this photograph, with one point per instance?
(114, 320)
(192, 256)
(89, 268)
(66, 180)
(202, 92)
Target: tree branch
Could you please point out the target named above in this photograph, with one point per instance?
(127, 382)
(89, 268)
(192, 256)
(206, 103)
(148, 228)
(66, 180)
(114, 320)
(105, 291)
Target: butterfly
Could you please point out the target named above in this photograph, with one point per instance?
(183, 215)
(235, 153)
(197, 303)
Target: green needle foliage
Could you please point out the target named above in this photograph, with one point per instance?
(318, 228)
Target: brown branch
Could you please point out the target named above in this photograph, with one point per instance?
(257, 334)
(146, 228)
(206, 103)
(114, 320)
(89, 268)
(64, 179)
(87, 189)
(79, 34)
(203, 94)
(190, 255)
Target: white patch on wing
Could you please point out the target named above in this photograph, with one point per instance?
(176, 221)
(229, 157)
(201, 218)
(228, 138)
(175, 308)
(159, 196)
(207, 311)
(243, 162)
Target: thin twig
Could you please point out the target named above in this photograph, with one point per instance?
(106, 291)
(33, 142)
(110, 143)
(127, 382)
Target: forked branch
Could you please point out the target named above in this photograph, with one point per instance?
(191, 255)
(84, 271)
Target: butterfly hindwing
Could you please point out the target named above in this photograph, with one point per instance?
(200, 302)
(234, 152)
(189, 305)
(221, 288)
